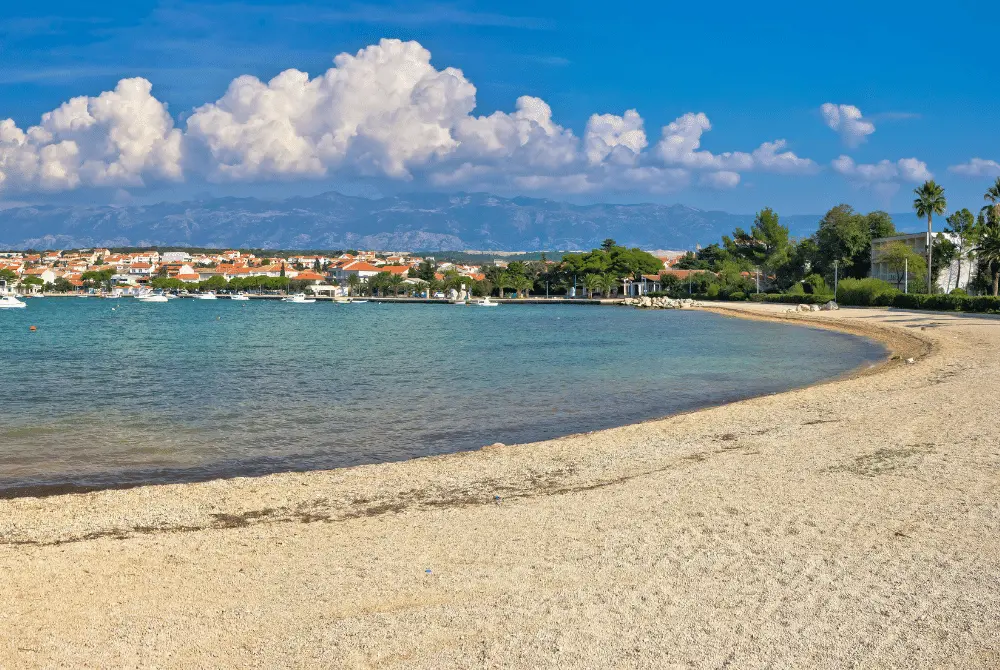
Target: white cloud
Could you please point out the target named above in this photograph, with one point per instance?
(977, 167)
(681, 142)
(883, 172)
(115, 139)
(620, 137)
(383, 112)
(720, 180)
(848, 121)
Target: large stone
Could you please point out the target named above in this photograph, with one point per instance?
(830, 306)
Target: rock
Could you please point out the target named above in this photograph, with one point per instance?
(910, 361)
(832, 305)
(803, 308)
(813, 308)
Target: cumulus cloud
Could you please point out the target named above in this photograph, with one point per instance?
(118, 138)
(681, 145)
(883, 172)
(848, 121)
(977, 167)
(620, 137)
(720, 180)
(383, 112)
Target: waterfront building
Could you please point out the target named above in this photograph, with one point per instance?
(956, 275)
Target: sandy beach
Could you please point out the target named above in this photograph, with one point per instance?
(853, 523)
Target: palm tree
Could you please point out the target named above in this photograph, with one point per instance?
(989, 253)
(993, 196)
(593, 283)
(353, 283)
(396, 283)
(930, 200)
(608, 283)
(523, 285)
(504, 280)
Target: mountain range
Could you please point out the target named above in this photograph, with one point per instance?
(412, 222)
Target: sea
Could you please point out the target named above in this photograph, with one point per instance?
(109, 393)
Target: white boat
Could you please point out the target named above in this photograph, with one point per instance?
(151, 297)
(239, 296)
(299, 299)
(114, 295)
(205, 296)
(11, 302)
(356, 302)
(485, 302)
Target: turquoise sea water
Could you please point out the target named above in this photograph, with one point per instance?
(193, 389)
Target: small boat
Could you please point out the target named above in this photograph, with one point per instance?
(485, 302)
(239, 296)
(299, 299)
(11, 302)
(356, 302)
(151, 297)
(114, 295)
(206, 296)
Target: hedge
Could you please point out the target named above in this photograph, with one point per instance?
(805, 299)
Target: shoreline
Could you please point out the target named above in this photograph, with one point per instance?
(898, 348)
(853, 521)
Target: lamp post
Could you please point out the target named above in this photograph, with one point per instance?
(836, 278)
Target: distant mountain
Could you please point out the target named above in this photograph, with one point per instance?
(414, 222)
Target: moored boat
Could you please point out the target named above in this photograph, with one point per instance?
(299, 299)
(11, 302)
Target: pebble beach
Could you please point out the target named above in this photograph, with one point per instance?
(851, 523)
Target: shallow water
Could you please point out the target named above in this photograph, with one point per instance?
(191, 389)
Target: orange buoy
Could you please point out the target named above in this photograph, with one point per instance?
(33, 328)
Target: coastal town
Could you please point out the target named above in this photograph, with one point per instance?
(100, 270)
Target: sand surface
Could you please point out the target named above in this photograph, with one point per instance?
(854, 523)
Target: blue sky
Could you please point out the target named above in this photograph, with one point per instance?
(919, 76)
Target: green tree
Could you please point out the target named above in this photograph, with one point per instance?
(593, 282)
(608, 244)
(880, 224)
(523, 284)
(899, 258)
(8, 276)
(504, 280)
(98, 277)
(988, 251)
(62, 285)
(609, 282)
(844, 237)
(964, 226)
(766, 246)
(945, 252)
(214, 283)
(353, 283)
(992, 195)
(396, 283)
(426, 270)
(930, 200)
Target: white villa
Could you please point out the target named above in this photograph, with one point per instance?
(956, 275)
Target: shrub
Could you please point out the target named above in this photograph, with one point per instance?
(791, 299)
(796, 289)
(958, 291)
(815, 284)
(866, 292)
(738, 295)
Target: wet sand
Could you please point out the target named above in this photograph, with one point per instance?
(851, 523)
